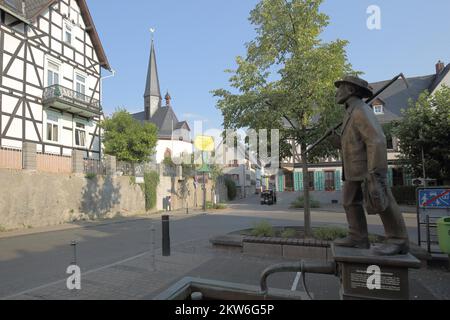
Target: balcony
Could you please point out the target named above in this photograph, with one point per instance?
(68, 100)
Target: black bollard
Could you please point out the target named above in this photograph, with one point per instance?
(73, 244)
(165, 236)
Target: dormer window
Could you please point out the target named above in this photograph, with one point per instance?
(68, 33)
(378, 109)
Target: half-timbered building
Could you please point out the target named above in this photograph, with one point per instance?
(51, 62)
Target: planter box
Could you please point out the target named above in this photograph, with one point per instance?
(287, 248)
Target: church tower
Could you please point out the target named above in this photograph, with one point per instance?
(152, 95)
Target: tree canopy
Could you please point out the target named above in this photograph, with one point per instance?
(128, 139)
(426, 125)
(286, 81)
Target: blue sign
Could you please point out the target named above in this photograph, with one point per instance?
(434, 198)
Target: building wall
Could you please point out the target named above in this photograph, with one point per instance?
(445, 81)
(176, 148)
(25, 58)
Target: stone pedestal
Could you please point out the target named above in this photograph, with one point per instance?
(29, 155)
(365, 276)
(78, 162)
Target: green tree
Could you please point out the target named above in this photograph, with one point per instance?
(426, 126)
(286, 81)
(128, 139)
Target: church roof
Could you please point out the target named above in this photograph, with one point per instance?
(165, 120)
(152, 85)
(33, 8)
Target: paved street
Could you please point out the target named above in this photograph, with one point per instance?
(119, 262)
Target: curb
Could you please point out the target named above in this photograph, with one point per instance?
(91, 224)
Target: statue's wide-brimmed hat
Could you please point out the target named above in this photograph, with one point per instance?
(360, 83)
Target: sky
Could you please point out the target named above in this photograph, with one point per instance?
(196, 40)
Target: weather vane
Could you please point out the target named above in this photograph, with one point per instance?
(152, 30)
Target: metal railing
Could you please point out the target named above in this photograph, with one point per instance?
(94, 166)
(65, 94)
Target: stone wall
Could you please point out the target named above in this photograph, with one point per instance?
(183, 193)
(31, 199)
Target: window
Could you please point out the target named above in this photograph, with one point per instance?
(52, 73)
(330, 181)
(80, 135)
(311, 181)
(378, 109)
(80, 86)
(68, 33)
(52, 128)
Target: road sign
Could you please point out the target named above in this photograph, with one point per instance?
(437, 198)
(433, 204)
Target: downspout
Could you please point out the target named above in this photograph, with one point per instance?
(113, 74)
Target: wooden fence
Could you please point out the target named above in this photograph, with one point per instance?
(52, 163)
(10, 158)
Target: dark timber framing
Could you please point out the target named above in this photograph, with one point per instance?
(31, 39)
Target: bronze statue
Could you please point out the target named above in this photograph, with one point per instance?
(365, 168)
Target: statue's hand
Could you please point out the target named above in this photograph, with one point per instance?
(335, 139)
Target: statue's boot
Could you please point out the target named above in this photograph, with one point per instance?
(358, 234)
(397, 242)
(350, 242)
(391, 249)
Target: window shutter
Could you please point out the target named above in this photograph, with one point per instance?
(319, 181)
(338, 180)
(390, 177)
(300, 181)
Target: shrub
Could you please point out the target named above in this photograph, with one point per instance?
(91, 176)
(231, 189)
(151, 181)
(329, 233)
(289, 233)
(300, 203)
(263, 229)
(218, 206)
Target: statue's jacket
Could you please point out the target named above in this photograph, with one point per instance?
(364, 148)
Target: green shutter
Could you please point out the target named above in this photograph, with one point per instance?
(300, 180)
(338, 180)
(390, 177)
(319, 181)
(281, 184)
(297, 181)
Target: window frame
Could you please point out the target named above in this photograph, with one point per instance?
(68, 29)
(381, 111)
(50, 68)
(80, 95)
(54, 125)
(80, 127)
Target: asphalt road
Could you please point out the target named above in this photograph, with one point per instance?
(33, 260)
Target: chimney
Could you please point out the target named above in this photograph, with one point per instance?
(168, 98)
(439, 67)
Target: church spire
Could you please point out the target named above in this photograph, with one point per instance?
(152, 95)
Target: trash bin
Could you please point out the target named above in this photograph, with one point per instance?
(444, 234)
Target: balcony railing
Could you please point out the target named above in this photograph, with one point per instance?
(62, 96)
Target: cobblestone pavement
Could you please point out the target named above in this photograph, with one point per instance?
(147, 275)
(117, 264)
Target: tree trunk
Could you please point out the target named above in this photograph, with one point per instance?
(307, 218)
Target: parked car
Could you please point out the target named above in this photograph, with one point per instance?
(268, 197)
